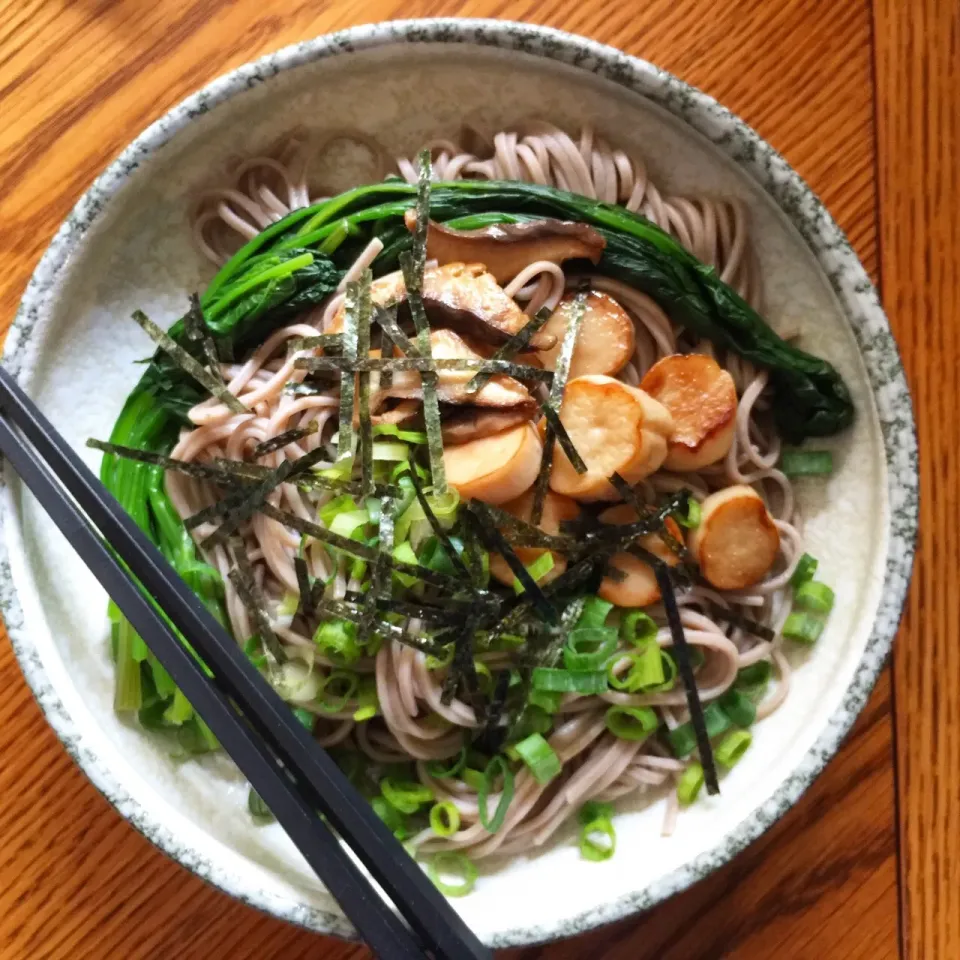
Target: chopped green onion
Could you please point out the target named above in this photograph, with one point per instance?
(444, 769)
(404, 552)
(391, 452)
(631, 723)
(473, 778)
(739, 708)
(638, 629)
(407, 796)
(456, 864)
(368, 703)
(802, 627)
(594, 613)
(691, 518)
(444, 819)
(806, 463)
(814, 596)
(548, 701)
(598, 840)
(496, 767)
(652, 670)
(569, 681)
(538, 569)
(588, 648)
(806, 568)
(341, 685)
(595, 810)
(732, 747)
(533, 720)
(683, 738)
(539, 756)
(690, 784)
(753, 680)
(337, 640)
(392, 430)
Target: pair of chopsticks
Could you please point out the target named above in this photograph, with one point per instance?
(298, 781)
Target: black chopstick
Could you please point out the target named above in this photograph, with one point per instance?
(320, 783)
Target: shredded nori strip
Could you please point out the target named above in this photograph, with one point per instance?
(305, 605)
(381, 586)
(323, 341)
(753, 627)
(351, 321)
(314, 386)
(563, 438)
(643, 510)
(196, 329)
(204, 377)
(555, 400)
(412, 264)
(199, 471)
(237, 508)
(242, 578)
(519, 371)
(494, 732)
(365, 437)
(681, 654)
(519, 533)
(438, 530)
(236, 513)
(497, 542)
(508, 350)
(282, 440)
(618, 537)
(387, 320)
(345, 611)
(463, 668)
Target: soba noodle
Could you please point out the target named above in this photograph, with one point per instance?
(416, 724)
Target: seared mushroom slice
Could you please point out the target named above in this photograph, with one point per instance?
(461, 297)
(506, 248)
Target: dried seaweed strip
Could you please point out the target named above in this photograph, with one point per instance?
(235, 513)
(351, 320)
(305, 605)
(753, 627)
(198, 471)
(250, 595)
(365, 440)
(563, 438)
(204, 377)
(555, 401)
(681, 654)
(497, 542)
(516, 344)
(282, 440)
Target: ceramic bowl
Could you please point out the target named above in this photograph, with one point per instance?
(126, 245)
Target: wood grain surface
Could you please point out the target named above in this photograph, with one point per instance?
(79, 78)
(918, 128)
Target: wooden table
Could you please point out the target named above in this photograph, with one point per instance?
(859, 98)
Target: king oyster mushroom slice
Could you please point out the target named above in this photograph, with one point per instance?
(507, 248)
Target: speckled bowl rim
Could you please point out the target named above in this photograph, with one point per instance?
(756, 159)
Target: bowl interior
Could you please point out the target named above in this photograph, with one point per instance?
(78, 361)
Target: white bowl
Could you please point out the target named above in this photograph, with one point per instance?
(126, 245)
